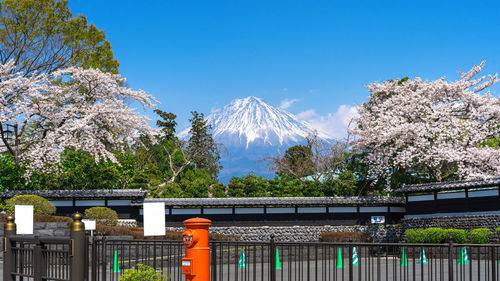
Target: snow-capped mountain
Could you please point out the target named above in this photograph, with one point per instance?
(252, 120)
(252, 129)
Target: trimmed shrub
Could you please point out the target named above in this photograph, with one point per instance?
(41, 206)
(458, 235)
(143, 273)
(414, 235)
(480, 235)
(435, 235)
(439, 235)
(102, 215)
(497, 229)
(345, 237)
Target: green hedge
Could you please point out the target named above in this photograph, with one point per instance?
(102, 215)
(439, 235)
(41, 206)
(480, 235)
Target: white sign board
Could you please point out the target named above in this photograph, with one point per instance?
(23, 215)
(89, 224)
(378, 219)
(154, 219)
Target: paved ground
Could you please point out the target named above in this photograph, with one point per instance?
(326, 270)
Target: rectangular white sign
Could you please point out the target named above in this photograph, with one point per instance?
(89, 224)
(378, 219)
(154, 219)
(23, 217)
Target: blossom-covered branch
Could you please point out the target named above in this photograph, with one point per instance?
(76, 108)
(439, 126)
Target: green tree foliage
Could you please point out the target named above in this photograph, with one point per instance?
(168, 124)
(44, 36)
(11, 175)
(203, 150)
(78, 170)
(217, 190)
(280, 186)
(41, 206)
(249, 186)
(174, 167)
(296, 161)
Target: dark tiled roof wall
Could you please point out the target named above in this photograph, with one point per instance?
(368, 200)
(449, 185)
(102, 193)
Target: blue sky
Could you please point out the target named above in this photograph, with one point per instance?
(315, 55)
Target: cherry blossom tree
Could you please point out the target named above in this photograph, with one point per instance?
(72, 108)
(438, 126)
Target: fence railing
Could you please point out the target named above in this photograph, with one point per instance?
(30, 257)
(278, 261)
(79, 258)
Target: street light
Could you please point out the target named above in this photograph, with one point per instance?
(9, 134)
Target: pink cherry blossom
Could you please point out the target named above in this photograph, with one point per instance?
(431, 124)
(76, 108)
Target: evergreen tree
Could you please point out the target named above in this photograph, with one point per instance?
(167, 125)
(203, 150)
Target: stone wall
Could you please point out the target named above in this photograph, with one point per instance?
(308, 233)
(47, 229)
(302, 233)
(461, 222)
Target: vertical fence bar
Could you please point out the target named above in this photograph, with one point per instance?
(272, 258)
(493, 264)
(450, 260)
(214, 261)
(94, 258)
(351, 272)
(77, 244)
(103, 261)
(37, 260)
(8, 257)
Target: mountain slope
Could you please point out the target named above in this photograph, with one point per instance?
(252, 129)
(254, 120)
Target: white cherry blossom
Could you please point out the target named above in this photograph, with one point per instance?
(431, 124)
(76, 108)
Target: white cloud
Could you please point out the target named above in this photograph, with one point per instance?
(286, 103)
(335, 125)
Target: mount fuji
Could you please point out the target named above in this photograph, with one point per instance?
(251, 129)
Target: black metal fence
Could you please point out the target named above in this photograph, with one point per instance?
(79, 258)
(276, 261)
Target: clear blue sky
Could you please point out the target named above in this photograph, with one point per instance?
(199, 55)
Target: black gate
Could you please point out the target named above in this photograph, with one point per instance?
(28, 257)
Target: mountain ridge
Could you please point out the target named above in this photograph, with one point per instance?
(252, 129)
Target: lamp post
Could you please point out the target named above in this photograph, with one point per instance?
(10, 133)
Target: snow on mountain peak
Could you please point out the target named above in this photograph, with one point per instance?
(251, 119)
